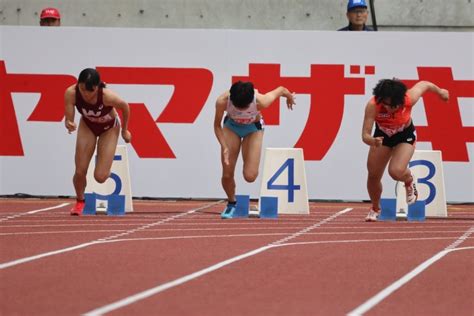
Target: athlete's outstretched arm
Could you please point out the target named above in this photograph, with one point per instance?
(264, 100)
(69, 111)
(420, 88)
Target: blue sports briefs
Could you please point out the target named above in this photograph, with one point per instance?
(242, 130)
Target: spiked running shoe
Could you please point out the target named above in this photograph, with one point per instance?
(228, 212)
(372, 216)
(411, 192)
(77, 209)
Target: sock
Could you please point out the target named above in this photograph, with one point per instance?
(231, 203)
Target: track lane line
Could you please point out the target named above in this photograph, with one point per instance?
(59, 232)
(380, 296)
(168, 285)
(4, 219)
(10, 264)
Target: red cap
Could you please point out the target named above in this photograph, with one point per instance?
(52, 13)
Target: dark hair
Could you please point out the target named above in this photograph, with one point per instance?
(90, 78)
(242, 94)
(392, 89)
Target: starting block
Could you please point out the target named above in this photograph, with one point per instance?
(90, 205)
(416, 211)
(388, 210)
(242, 206)
(268, 207)
(115, 204)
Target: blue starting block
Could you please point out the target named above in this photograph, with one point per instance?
(115, 204)
(242, 206)
(268, 207)
(90, 205)
(388, 210)
(416, 211)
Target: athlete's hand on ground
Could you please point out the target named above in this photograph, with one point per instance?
(225, 155)
(71, 126)
(290, 101)
(378, 141)
(444, 95)
(126, 135)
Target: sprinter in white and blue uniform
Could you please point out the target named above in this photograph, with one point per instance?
(242, 130)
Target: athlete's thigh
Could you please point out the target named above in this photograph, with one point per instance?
(401, 155)
(85, 146)
(106, 147)
(252, 150)
(233, 143)
(378, 159)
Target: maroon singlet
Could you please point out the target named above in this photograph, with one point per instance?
(97, 116)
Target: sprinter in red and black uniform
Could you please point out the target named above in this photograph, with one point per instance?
(99, 127)
(393, 141)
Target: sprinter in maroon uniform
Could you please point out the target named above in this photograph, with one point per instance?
(99, 127)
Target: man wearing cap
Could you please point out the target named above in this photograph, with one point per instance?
(357, 14)
(50, 17)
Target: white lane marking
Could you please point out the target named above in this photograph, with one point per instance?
(100, 240)
(376, 299)
(4, 219)
(237, 229)
(165, 286)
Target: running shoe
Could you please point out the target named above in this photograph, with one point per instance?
(77, 209)
(228, 212)
(372, 216)
(411, 192)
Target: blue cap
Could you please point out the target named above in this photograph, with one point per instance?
(356, 4)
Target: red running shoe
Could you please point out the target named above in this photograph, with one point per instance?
(77, 209)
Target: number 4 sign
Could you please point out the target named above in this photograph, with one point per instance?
(284, 177)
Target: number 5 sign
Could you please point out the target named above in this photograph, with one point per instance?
(117, 184)
(284, 177)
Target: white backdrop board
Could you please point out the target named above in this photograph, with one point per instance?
(171, 78)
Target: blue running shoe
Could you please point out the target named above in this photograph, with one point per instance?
(228, 212)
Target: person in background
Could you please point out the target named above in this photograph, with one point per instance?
(394, 138)
(357, 15)
(50, 17)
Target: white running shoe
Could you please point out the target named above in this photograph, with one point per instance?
(411, 192)
(372, 216)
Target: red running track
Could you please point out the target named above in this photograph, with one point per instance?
(180, 258)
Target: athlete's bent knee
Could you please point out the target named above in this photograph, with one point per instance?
(101, 177)
(250, 176)
(396, 173)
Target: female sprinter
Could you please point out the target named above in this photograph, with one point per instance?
(242, 130)
(393, 141)
(99, 127)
